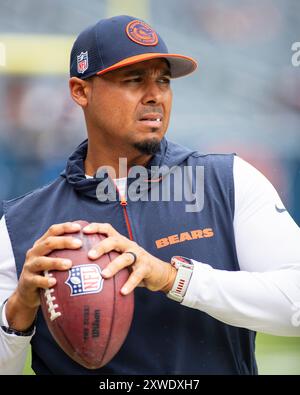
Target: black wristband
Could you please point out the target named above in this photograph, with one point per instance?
(12, 331)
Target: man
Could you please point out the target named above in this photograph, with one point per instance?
(242, 271)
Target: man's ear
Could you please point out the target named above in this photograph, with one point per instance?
(79, 91)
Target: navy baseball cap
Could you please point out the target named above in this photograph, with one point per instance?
(120, 41)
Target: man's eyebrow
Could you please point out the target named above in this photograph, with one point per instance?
(142, 72)
(129, 73)
(166, 72)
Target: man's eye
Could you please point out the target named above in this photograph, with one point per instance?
(165, 80)
(135, 79)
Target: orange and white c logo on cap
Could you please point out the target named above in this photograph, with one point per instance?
(141, 33)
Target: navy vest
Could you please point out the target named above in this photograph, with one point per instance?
(165, 337)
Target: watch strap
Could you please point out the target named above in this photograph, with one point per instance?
(184, 268)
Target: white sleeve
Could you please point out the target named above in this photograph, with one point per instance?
(13, 349)
(265, 295)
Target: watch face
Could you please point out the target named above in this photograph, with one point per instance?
(178, 261)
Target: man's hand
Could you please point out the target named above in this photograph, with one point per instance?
(147, 270)
(22, 306)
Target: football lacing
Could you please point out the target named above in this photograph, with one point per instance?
(50, 299)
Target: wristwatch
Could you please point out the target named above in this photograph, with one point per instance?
(11, 331)
(184, 268)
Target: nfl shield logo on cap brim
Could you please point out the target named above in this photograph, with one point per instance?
(82, 62)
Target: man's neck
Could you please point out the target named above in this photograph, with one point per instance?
(111, 159)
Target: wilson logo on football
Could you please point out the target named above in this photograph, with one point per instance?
(85, 279)
(141, 33)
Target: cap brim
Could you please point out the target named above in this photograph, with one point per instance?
(180, 65)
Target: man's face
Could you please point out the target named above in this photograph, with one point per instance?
(131, 106)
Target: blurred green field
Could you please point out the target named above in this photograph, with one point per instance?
(275, 355)
(278, 355)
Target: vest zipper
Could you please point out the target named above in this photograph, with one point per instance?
(124, 205)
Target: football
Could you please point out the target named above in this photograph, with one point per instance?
(87, 315)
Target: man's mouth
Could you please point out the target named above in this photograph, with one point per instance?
(152, 120)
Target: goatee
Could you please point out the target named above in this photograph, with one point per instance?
(148, 147)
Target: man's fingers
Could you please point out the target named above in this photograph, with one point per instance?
(40, 264)
(109, 244)
(134, 280)
(117, 264)
(104, 228)
(55, 243)
(40, 281)
(60, 229)
(136, 277)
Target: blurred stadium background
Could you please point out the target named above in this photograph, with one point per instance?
(245, 97)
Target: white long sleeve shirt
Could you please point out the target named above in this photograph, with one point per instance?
(264, 296)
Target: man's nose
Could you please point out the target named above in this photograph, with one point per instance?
(153, 93)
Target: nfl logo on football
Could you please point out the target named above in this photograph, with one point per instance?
(85, 279)
(82, 62)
